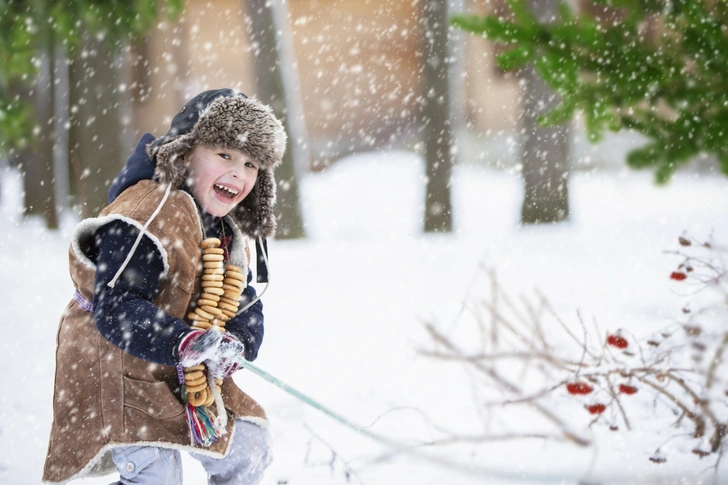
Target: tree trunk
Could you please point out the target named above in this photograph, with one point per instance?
(38, 168)
(19, 156)
(436, 116)
(60, 157)
(272, 90)
(95, 126)
(544, 151)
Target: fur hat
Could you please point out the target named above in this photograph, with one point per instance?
(223, 118)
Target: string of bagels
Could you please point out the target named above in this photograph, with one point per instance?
(222, 286)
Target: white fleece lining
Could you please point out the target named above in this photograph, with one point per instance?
(263, 423)
(88, 226)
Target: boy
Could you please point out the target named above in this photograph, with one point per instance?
(137, 270)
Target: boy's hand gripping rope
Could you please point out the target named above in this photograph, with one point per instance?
(222, 286)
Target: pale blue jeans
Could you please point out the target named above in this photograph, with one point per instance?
(248, 458)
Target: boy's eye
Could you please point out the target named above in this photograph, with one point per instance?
(224, 155)
(251, 165)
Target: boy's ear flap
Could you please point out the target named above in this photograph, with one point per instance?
(254, 215)
(169, 155)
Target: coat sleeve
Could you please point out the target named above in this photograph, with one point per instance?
(125, 314)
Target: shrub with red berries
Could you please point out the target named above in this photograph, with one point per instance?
(674, 379)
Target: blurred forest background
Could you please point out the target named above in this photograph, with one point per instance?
(81, 81)
(537, 89)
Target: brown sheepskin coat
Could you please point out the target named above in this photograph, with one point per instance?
(104, 397)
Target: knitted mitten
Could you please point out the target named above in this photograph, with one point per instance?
(199, 346)
(228, 358)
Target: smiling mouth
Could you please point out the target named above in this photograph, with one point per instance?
(226, 192)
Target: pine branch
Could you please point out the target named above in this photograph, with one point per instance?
(660, 70)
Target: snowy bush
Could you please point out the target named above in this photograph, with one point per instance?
(568, 380)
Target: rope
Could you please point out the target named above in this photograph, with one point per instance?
(467, 469)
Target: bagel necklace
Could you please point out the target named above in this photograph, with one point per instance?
(222, 286)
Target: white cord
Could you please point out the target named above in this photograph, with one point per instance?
(139, 237)
(222, 418)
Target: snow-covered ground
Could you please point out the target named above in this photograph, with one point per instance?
(345, 313)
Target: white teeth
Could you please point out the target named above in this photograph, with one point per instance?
(221, 187)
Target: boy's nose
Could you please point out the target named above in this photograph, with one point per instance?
(237, 172)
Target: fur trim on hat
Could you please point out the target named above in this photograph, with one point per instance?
(234, 122)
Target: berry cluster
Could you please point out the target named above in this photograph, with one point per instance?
(581, 388)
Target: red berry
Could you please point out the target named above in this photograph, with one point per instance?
(578, 388)
(678, 275)
(617, 341)
(596, 408)
(627, 389)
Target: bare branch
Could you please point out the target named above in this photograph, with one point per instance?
(698, 420)
(563, 325)
(494, 310)
(716, 361)
(335, 457)
(615, 398)
(568, 434)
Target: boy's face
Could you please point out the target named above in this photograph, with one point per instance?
(220, 178)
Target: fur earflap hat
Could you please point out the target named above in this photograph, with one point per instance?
(224, 118)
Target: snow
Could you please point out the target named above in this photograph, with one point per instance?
(345, 317)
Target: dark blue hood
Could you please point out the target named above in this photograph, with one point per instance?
(138, 167)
